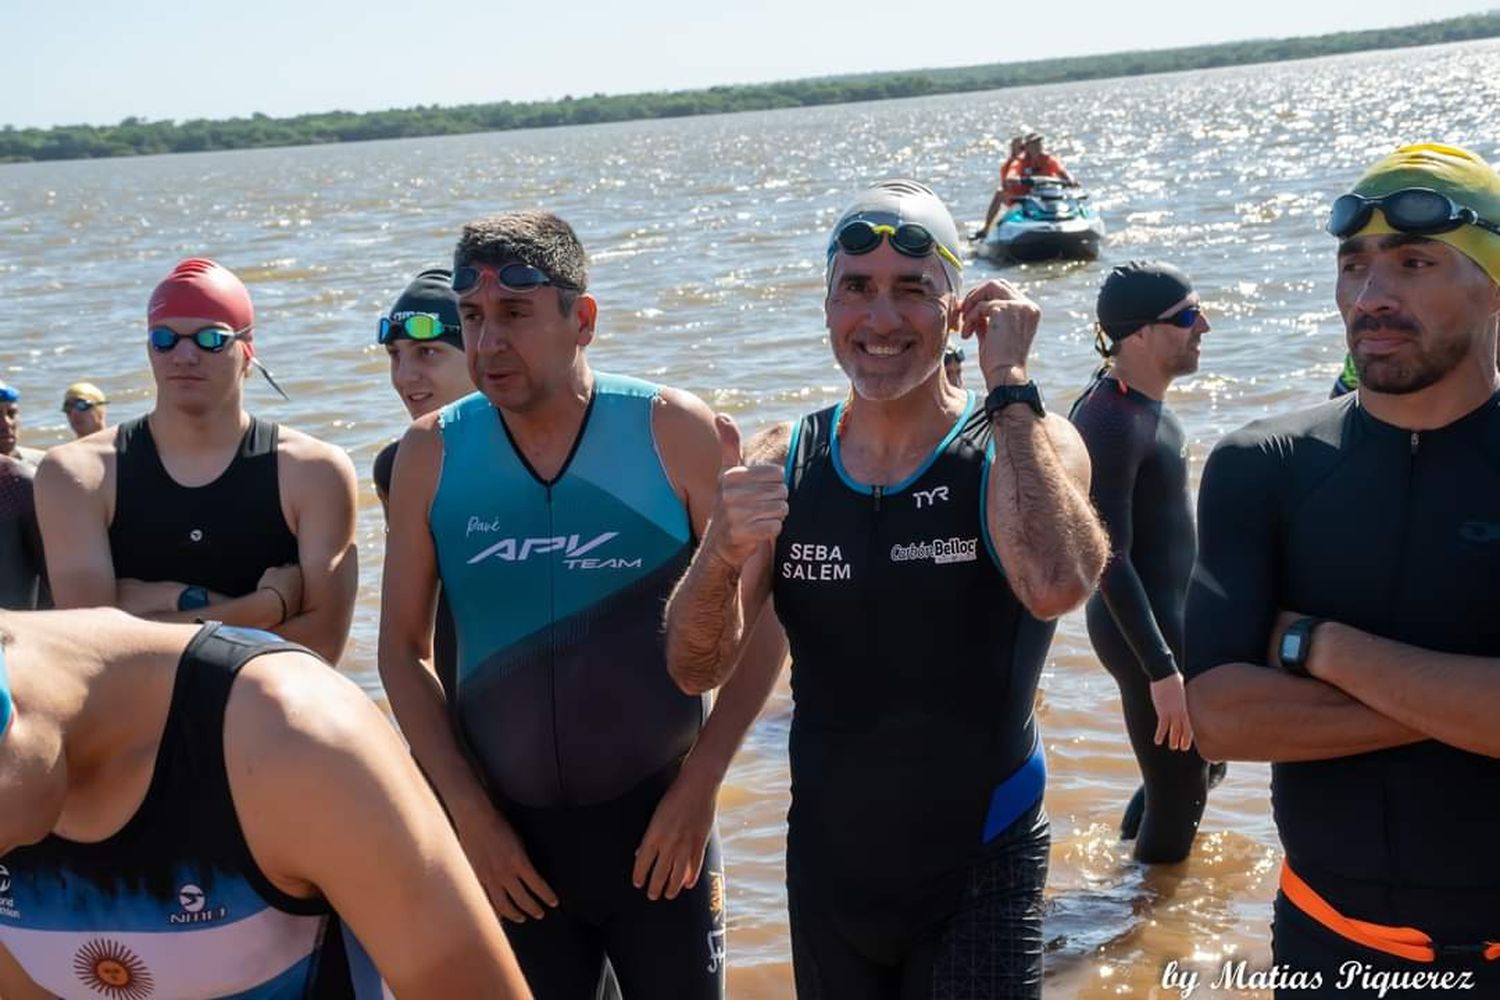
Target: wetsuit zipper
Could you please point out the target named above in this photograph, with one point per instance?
(552, 649)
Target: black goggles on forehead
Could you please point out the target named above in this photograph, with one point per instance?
(1418, 211)
(908, 239)
(515, 277)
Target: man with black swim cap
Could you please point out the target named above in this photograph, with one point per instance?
(919, 543)
(1371, 681)
(1150, 325)
(211, 812)
(200, 509)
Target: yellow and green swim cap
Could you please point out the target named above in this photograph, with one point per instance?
(1460, 174)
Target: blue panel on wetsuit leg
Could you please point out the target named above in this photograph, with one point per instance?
(1016, 794)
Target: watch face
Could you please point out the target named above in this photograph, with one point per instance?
(1291, 648)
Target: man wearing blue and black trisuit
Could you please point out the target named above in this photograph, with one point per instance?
(919, 543)
(557, 507)
(1150, 327)
(1342, 622)
(207, 811)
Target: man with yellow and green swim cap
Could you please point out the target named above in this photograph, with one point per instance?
(1429, 190)
(1370, 681)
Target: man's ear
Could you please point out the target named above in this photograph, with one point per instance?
(585, 315)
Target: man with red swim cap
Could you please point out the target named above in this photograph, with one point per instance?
(199, 509)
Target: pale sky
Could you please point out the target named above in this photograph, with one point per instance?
(96, 62)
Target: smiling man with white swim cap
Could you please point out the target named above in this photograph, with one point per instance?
(920, 543)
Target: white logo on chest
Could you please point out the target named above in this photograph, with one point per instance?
(928, 498)
(818, 563)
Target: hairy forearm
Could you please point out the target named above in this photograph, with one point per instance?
(417, 700)
(1044, 528)
(1452, 699)
(705, 623)
(742, 697)
(1241, 711)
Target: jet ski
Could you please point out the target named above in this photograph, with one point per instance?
(1051, 221)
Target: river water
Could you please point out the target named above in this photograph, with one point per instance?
(706, 237)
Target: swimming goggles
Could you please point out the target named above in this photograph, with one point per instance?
(909, 239)
(1419, 211)
(82, 405)
(515, 277)
(416, 326)
(1185, 318)
(212, 339)
(209, 338)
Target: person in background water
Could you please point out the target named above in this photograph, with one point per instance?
(1151, 326)
(86, 408)
(556, 507)
(199, 509)
(10, 428)
(23, 567)
(1371, 680)
(953, 366)
(1010, 169)
(211, 812)
(919, 547)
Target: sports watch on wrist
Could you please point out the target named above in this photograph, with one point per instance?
(1296, 645)
(192, 598)
(1003, 395)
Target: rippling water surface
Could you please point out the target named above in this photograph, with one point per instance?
(706, 236)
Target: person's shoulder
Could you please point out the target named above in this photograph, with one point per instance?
(83, 462)
(309, 452)
(290, 706)
(1280, 437)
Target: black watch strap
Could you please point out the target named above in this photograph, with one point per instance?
(1004, 395)
(1295, 645)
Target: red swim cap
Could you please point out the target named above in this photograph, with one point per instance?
(202, 289)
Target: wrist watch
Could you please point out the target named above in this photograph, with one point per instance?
(192, 598)
(1003, 395)
(1296, 645)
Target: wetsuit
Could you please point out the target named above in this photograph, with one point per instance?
(1334, 514)
(1138, 453)
(557, 589)
(173, 905)
(444, 640)
(22, 565)
(222, 535)
(917, 845)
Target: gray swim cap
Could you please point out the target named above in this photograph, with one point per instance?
(895, 203)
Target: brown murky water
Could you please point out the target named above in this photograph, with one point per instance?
(707, 236)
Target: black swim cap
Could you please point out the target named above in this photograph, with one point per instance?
(1137, 293)
(431, 293)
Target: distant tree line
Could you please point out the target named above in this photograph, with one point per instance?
(135, 136)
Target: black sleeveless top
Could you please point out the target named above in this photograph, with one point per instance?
(173, 904)
(914, 669)
(222, 536)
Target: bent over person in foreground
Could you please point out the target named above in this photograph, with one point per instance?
(1371, 681)
(918, 543)
(211, 812)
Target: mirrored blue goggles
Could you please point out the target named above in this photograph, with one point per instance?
(417, 326)
(1418, 211)
(515, 277)
(1186, 318)
(209, 338)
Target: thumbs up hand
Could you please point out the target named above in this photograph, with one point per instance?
(752, 500)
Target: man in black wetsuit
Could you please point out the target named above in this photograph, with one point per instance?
(1150, 328)
(199, 509)
(919, 542)
(22, 565)
(1371, 679)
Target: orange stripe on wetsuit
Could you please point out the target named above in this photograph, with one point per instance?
(1402, 942)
